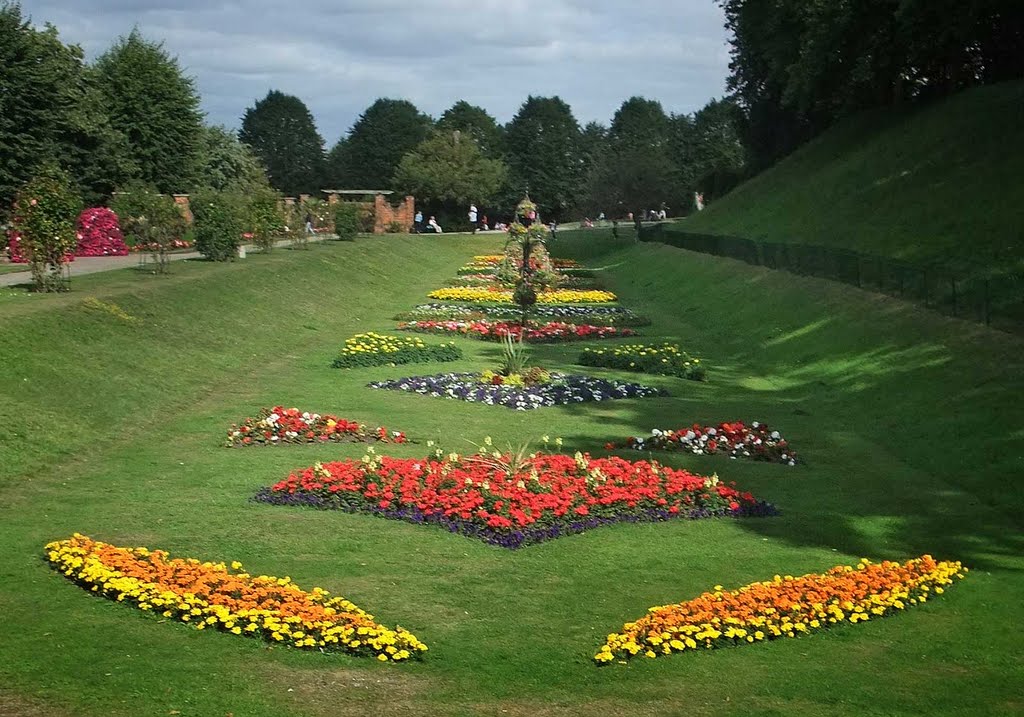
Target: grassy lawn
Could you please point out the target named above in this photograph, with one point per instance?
(938, 184)
(113, 415)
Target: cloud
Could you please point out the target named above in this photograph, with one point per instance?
(339, 56)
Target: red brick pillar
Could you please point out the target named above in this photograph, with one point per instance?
(183, 206)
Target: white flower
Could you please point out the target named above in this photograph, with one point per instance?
(776, 435)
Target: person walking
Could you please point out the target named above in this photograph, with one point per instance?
(473, 217)
(417, 223)
(309, 224)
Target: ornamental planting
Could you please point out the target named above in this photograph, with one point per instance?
(756, 441)
(216, 597)
(531, 331)
(782, 607)
(562, 389)
(666, 359)
(280, 425)
(373, 349)
(512, 500)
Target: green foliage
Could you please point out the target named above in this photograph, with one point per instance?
(219, 223)
(264, 218)
(150, 220)
(542, 142)
(940, 185)
(383, 134)
(44, 222)
(799, 66)
(51, 111)
(450, 167)
(515, 357)
(474, 122)
(372, 349)
(228, 165)
(667, 360)
(347, 221)
(281, 131)
(156, 107)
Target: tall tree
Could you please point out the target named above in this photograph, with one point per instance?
(281, 131)
(334, 166)
(543, 154)
(156, 107)
(226, 164)
(719, 155)
(592, 146)
(383, 134)
(640, 121)
(450, 167)
(51, 113)
(475, 122)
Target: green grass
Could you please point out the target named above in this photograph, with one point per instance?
(942, 183)
(909, 423)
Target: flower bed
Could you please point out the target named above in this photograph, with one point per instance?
(504, 296)
(757, 442)
(99, 234)
(551, 332)
(594, 315)
(212, 596)
(563, 389)
(277, 425)
(512, 502)
(372, 349)
(782, 607)
(666, 359)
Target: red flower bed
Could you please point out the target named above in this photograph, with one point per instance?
(551, 332)
(99, 234)
(510, 502)
(290, 425)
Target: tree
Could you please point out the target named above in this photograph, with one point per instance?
(474, 122)
(450, 167)
(226, 164)
(281, 132)
(636, 171)
(383, 134)
(719, 155)
(51, 113)
(156, 107)
(543, 154)
(219, 223)
(334, 169)
(151, 221)
(592, 146)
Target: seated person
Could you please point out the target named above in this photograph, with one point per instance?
(434, 226)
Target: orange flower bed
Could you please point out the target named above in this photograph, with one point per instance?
(782, 607)
(210, 595)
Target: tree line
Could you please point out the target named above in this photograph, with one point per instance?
(797, 66)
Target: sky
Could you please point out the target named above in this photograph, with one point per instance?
(338, 56)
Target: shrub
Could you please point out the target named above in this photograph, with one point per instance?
(43, 228)
(396, 228)
(346, 220)
(218, 225)
(264, 219)
(99, 233)
(151, 221)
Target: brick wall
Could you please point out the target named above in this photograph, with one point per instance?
(385, 214)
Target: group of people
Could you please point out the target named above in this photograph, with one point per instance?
(431, 227)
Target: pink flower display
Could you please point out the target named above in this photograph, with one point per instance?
(99, 234)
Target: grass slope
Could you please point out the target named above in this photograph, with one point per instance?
(112, 427)
(944, 183)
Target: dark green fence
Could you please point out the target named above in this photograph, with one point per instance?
(993, 299)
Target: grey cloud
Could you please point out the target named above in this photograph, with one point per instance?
(340, 56)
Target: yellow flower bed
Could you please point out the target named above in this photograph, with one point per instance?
(504, 296)
(212, 596)
(782, 607)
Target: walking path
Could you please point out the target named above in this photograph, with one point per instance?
(92, 264)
